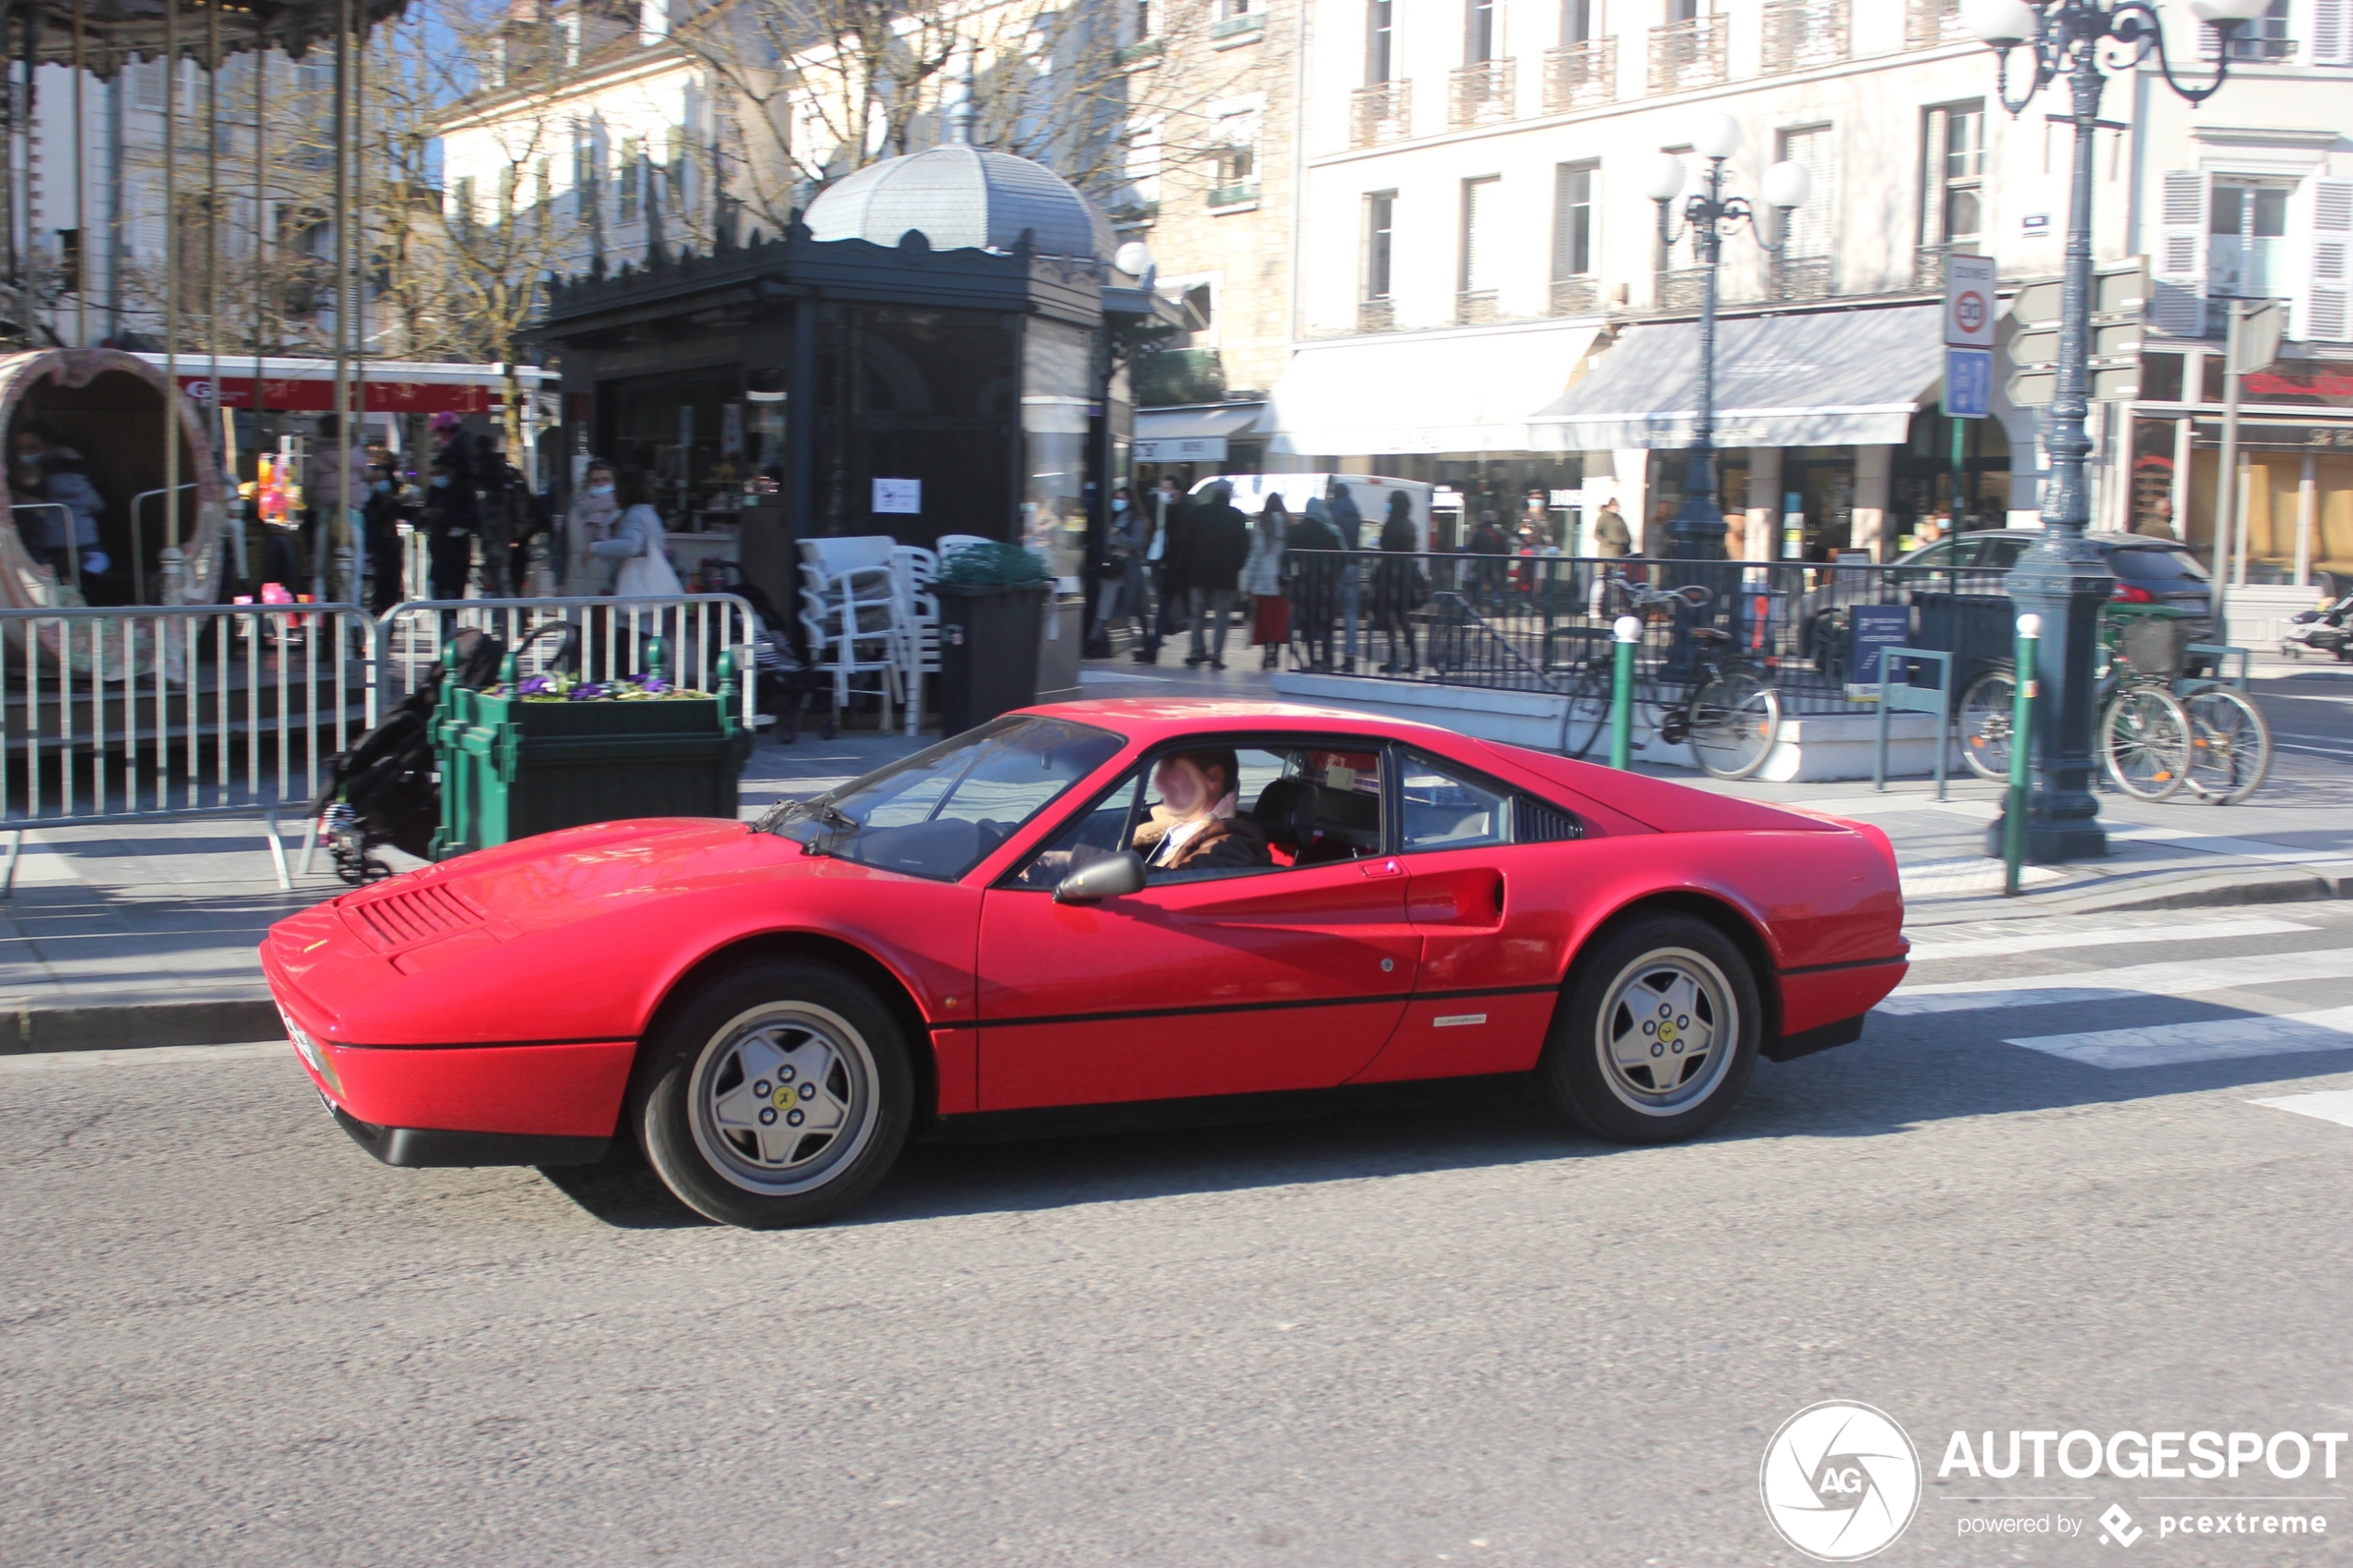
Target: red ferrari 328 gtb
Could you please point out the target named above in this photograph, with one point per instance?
(1086, 905)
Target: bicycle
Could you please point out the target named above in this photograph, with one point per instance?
(1729, 713)
(2159, 729)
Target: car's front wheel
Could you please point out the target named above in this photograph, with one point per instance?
(1657, 1033)
(778, 1095)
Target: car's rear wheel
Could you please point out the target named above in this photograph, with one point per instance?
(779, 1096)
(1657, 1034)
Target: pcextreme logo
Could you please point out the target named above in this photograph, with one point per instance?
(1841, 1481)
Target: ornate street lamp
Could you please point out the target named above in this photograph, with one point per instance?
(1711, 217)
(2063, 578)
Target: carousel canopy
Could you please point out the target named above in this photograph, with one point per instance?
(116, 32)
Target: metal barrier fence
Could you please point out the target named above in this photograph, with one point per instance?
(146, 712)
(611, 637)
(1539, 622)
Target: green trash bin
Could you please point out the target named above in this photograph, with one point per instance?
(512, 767)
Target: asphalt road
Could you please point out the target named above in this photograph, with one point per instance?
(2309, 707)
(1451, 1334)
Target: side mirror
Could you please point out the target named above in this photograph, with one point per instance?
(1107, 878)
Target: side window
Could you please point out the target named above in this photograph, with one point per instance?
(1289, 807)
(1937, 557)
(1448, 808)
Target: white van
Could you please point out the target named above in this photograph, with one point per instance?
(1369, 492)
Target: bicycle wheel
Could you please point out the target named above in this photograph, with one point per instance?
(1735, 719)
(2145, 742)
(1587, 716)
(2229, 745)
(1988, 705)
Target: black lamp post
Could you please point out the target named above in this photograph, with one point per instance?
(2062, 579)
(1710, 216)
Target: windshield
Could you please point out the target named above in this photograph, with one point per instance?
(2142, 564)
(940, 811)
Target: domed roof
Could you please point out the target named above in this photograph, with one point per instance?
(961, 195)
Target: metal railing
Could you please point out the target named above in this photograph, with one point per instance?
(1382, 112)
(1581, 76)
(1475, 305)
(1480, 93)
(1688, 54)
(138, 540)
(1577, 296)
(1801, 34)
(610, 637)
(1678, 288)
(144, 712)
(1538, 623)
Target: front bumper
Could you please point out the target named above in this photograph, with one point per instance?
(427, 1146)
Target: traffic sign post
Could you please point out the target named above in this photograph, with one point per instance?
(1968, 383)
(1969, 301)
(2118, 295)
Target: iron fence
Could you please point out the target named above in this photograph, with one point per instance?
(1544, 623)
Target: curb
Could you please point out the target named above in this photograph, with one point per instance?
(2178, 890)
(133, 1026)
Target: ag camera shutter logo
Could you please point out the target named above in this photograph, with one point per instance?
(1840, 1481)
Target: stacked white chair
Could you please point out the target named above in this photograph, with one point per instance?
(913, 571)
(850, 604)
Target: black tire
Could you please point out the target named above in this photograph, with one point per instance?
(1604, 1091)
(729, 1078)
(1586, 716)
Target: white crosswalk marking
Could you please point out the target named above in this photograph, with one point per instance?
(2329, 1105)
(2214, 1039)
(2043, 940)
(2103, 984)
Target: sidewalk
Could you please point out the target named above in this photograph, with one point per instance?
(145, 936)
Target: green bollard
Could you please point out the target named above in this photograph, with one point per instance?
(1627, 632)
(2029, 637)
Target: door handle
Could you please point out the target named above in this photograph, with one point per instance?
(1385, 867)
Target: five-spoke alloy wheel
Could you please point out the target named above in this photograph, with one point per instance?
(777, 1096)
(1657, 1033)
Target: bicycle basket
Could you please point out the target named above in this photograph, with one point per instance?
(2155, 646)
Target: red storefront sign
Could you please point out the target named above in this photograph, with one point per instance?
(292, 395)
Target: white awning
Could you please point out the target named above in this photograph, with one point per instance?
(1824, 378)
(1470, 390)
(1196, 432)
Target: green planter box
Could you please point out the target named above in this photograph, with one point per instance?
(511, 768)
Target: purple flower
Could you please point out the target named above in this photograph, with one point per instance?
(587, 692)
(537, 685)
(653, 684)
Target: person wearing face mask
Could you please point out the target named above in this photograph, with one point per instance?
(588, 521)
(1197, 824)
(1127, 590)
(448, 519)
(381, 516)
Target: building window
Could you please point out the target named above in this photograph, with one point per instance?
(2265, 38)
(1573, 220)
(461, 205)
(1581, 20)
(1480, 253)
(1811, 227)
(1683, 11)
(1479, 41)
(1143, 15)
(1953, 205)
(2246, 239)
(1381, 34)
(1381, 215)
(631, 175)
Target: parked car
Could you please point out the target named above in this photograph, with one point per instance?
(2147, 571)
(972, 936)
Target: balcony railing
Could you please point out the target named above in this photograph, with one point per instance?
(1679, 288)
(1931, 24)
(1577, 296)
(1383, 112)
(1237, 30)
(1474, 306)
(1688, 54)
(1480, 93)
(1375, 315)
(1801, 277)
(1234, 195)
(1801, 34)
(1927, 262)
(1581, 76)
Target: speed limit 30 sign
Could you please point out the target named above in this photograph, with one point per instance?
(1969, 301)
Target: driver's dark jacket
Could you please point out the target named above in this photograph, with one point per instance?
(1225, 842)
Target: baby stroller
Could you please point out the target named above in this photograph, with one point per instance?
(2327, 630)
(786, 682)
(386, 789)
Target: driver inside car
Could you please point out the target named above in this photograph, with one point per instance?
(1197, 824)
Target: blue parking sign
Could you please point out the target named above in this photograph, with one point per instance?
(1968, 383)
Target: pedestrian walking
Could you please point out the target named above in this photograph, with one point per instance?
(588, 521)
(388, 505)
(1486, 575)
(1126, 591)
(1348, 522)
(448, 519)
(1317, 562)
(1398, 586)
(1262, 579)
(1219, 546)
(639, 547)
(1168, 591)
(1612, 539)
(502, 505)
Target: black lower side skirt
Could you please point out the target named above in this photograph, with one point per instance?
(1845, 1032)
